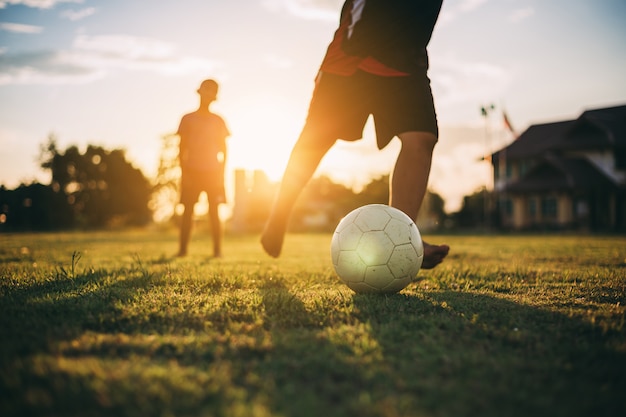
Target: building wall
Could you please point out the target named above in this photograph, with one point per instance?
(519, 207)
(529, 211)
(565, 210)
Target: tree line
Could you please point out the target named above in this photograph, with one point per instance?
(99, 188)
(93, 189)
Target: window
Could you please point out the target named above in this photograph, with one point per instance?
(581, 209)
(525, 166)
(549, 207)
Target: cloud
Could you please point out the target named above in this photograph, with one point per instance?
(125, 47)
(521, 14)
(75, 15)
(20, 28)
(307, 9)
(470, 5)
(460, 81)
(452, 12)
(43, 67)
(94, 57)
(36, 4)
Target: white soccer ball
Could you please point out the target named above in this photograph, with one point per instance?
(377, 249)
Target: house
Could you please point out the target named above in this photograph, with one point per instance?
(565, 175)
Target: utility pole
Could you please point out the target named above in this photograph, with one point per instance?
(485, 111)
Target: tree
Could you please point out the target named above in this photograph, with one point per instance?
(33, 207)
(166, 186)
(472, 213)
(322, 204)
(102, 188)
(432, 212)
(375, 192)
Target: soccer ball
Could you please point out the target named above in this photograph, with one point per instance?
(376, 249)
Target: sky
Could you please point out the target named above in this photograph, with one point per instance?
(121, 73)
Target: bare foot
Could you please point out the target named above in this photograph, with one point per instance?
(272, 238)
(433, 255)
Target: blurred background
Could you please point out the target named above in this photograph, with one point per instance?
(92, 91)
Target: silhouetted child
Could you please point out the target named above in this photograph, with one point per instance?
(202, 159)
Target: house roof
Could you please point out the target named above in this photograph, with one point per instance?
(605, 127)
(611, 120)
(556, 173)
(536, 140)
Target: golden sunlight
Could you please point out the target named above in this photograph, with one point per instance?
(264, 130)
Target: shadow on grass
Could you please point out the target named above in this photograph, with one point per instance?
(480, 355)
(437, 354)
(313, 369)
(61, 308)
(443, 353)
(38, 316)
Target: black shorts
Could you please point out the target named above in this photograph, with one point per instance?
(193, 182)
(341, 105)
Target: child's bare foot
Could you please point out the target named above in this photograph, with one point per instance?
(272, 238)
(433, 255)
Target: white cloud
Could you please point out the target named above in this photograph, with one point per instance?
(307, 9)
(43, 67)
(449, 13)
(93, 57)
(136, 54)
(470, 5)
(473, 82)
(20, 28)
(75, 15)
(36, 4)
(521, 14)
(125, 47)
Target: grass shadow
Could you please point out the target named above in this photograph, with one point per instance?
(184, 338)
(481, 355)
(61, 307)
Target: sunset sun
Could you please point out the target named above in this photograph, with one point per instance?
(264, 130)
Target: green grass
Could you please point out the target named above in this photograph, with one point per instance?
(109, 324)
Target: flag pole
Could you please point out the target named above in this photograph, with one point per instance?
(485, 111)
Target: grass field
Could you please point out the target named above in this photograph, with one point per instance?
(109, 324)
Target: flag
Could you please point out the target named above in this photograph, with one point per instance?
(507, 123)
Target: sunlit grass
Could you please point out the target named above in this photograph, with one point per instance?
(112, 324)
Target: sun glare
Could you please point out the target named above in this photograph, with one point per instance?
(263, 133)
